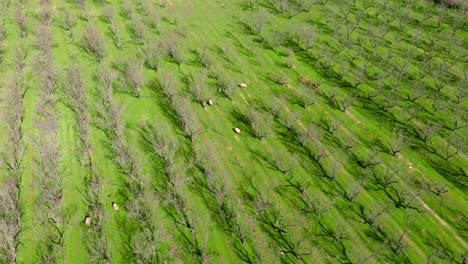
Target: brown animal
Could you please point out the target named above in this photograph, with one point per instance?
(307, 82)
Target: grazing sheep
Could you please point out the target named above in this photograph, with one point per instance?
(243, 85)
(210, 102)
(115, 206)
(88, 221)
(237, 130)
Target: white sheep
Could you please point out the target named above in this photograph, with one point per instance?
(115, 206)
(243, 85)
(237, 130)
(88, 221)
(210, 102)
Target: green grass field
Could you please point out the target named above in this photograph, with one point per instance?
(352, 121)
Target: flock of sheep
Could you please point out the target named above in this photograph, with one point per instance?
(88, 218)
(116, 207)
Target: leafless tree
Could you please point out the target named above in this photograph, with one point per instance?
(434, 187)
(187, 120)
(67, 22)
(80, 3)
(228, 87)
(198, 86)
(139, 30)
(178, 53)
(305, 96)
(279, 78)
(283, 163)
(127, 9)
(305, 35)
(116, 35)
(93, 42)
(331, 125)
(45, 14)
(153, 17)
(204, 56)
(20, 19)
(457, 119)
(397, 142)
(168, 83)
(425, 131)
(397, 242)
(133, 78)
(43, 38)
(153, 55)
(291, 62)
(259, 21)
(260, 123)
(108, 11)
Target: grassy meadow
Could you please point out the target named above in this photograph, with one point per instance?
(211, 131)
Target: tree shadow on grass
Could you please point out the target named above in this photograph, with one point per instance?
(241, 122)
(165, 104)
(454, 174)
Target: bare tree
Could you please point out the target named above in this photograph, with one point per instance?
(93, 42)
(115, 29)
(108, 12)
(20, 19)
(127, 9)
(187, 119)
(43, 38)
(397, 142)
(204, 56)
(228, 87)
(67, 22)
(153, 55)
(168, 83)
(178, 53)
(259, 21)
(133, 78)
(305, 96)
(260, 123)
(198, 86)
(283, 163)
(434, 187)
(139, 30)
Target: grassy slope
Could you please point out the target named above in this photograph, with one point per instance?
(427, 221)
(218, 137)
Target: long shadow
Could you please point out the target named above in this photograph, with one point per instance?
(241, 122)
(164, 102)
(442, 251)
(221, 211)
(165, 189)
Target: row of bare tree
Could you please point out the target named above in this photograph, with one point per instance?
(212, 188)
(53, 217)
(424, 105)
(144, 230)
(11, 157)
(95, 235)
(167, 149)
